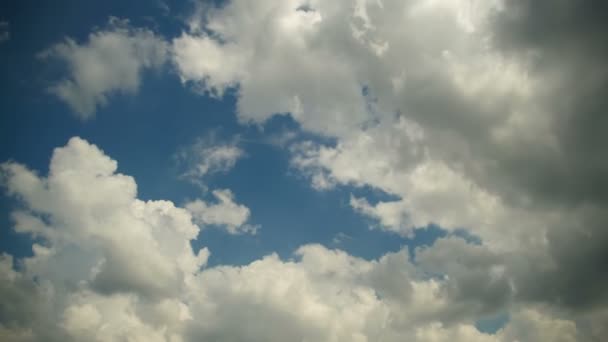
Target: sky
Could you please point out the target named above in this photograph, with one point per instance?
(304, 170)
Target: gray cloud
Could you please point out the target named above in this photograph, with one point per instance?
(577, 276)
(477, 277)
(562, 43)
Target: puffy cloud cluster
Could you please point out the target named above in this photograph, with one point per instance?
(109, 267)
(483, 116)
(96, 244)
(110, 62)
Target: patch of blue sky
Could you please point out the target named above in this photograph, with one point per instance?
(493, 323)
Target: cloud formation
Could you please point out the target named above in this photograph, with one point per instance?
(110, 62)
(225, 213)
(482, 116)
(479, 116)
(5, 33)
(85, 281)
(207, 156)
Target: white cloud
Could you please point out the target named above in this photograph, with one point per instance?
(218, 69)
(110, 221)
(288, 70)
(108, 267)
(431, 191)
(457, 108)
(88, 221)
(344, 70)
(207, 156)
(470, 134)
(110, 62)
(225, 213)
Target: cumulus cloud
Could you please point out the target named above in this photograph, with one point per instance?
(83, 180)
(531, 325)
(110, 62)
(415, 80)
(225, 213)
(85, 281)
(272, 62)
(87, 220)
(485, 116)
(482, 116)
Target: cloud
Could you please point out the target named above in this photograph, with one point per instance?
(207, 156)
(83, 180)
(477, 115)
(477, 277)
(110, 62)
(202, 159)
(5, 34)
(531, 325)
(482, 116)
(85, 281)
(225, 213)
(87, 219)
(277, 74)
(562, 45)
(378, 76)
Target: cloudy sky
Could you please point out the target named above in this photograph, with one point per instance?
(304, 170)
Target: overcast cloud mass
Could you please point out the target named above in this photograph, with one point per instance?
(483, 120)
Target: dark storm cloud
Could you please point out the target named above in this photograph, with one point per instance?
(564, 26)
(577, 277)
(476, 277)
(564, 43)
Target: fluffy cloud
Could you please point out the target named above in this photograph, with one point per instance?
(275, 52)
(85, 281)
(225, 213)
(484, 116)
(416, 80)
(87, 220)
(83, 180)
(110, 62)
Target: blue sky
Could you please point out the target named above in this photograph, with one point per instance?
(300, 161)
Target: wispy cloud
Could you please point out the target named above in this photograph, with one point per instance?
(208, 155)
(5, 33)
